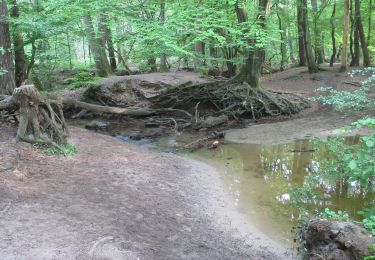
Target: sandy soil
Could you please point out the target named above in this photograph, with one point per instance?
(117, 201)
(318, 120)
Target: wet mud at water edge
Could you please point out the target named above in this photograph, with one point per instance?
(259, 178)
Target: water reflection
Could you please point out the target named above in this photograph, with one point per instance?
(260, 177)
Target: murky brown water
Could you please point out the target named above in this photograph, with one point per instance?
(259, 177)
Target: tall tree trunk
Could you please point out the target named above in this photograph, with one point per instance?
(355, 43)
(7, 78)
(369, 22)
(318, 45)
(250, 72)
(351, 40)
(200, 52)
(344, 54)
(282, 43)
(20, 59)
(163, 56)
(69, 50)
(151, 62)
(333, 29)
(361, 33)
(111, 49)
(301, 46)
(97, 49)
(106, 40)
(291, 48)
(312, 66)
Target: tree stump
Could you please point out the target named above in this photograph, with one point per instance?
(39, 118)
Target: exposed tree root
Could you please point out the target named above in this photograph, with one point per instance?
(43, 117)
(38, 116)
(233, 99)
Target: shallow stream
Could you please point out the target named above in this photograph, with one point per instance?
(259, 178)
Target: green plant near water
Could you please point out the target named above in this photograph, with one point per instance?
(330, 214)
(353, 162)
(352, 100)
(68, 149)
(349, 163)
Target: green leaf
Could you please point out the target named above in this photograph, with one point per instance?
(352, 165)
(370, 143)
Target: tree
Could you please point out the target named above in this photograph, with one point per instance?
(333, 36)
(7, 79)
(344, 54)
(163, 56)
(106, 40)
(250, 71)
(318, 41)
(283, 38)
(97, 49)
(301, 45)
(361, 33)
(311, 62)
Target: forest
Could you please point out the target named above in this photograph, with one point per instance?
(187, 129)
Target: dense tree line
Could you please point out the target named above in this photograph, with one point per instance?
(239, 39)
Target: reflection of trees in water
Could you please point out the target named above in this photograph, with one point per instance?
(297, 168)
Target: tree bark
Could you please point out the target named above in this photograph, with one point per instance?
(200, 52)
(97, 49)
(333, 31)
(291, 48)
(7, 78)
(250, 72)
(106, 40)
(369, 22)
(311, 63)
(344, 54)
(301, 46)
(318, 45)
(163, 56)
(20, 59)
(354, 43)
(361, 34)
(282, 43)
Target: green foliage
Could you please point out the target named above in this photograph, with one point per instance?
(369, 219)
(355, 100)
(369, 224)
(82, 79)
(330, 214)
(68, 149)
(354, 162)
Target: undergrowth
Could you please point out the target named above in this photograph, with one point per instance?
(68, 149)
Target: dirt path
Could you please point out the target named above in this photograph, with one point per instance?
(117, 201)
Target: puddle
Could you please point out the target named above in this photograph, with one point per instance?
(258, 178)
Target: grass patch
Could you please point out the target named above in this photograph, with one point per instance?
(68, 149)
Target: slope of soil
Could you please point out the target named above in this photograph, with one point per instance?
(318, 120)
(117, 201)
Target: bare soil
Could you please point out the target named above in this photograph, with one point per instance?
(117, 201)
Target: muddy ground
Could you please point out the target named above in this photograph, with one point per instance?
(118, 201)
